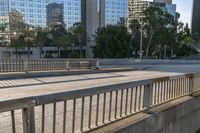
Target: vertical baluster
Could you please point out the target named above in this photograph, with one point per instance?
(64, 116)
(90, 112)
(74, 115)
(126, 105)
(167, 91)
(104, 108)
(116, 103)
(136, 96)
(162, 88)
(131, 101)
(43, 119)
(158, 94)
(97, 110)
(110, 106)
(178, 86)
(13, 121)
(155, 94)
(173, 83)
(121, 104)
(54, 117)
(140, 98)
(82, 112)
(181, 86)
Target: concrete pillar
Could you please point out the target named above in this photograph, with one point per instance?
(102, 10)
(92, 19)
(91, 24)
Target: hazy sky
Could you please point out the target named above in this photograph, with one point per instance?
(184, 7)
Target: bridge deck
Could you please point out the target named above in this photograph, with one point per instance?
(42, 86)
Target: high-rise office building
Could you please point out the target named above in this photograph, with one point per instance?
(170, 8)
(196, 17)
(55, 14)
(114, 10)
(92, 13)
(35, 12)
(136, 8)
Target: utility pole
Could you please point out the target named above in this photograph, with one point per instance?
(141, 32)
(165, 51)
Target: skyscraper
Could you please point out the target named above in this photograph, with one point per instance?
(35, 12)
(196, 17)
(42, 13)
(114, 10)
(136, 8)
(55, 14)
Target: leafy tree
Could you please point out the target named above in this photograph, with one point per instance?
(58, 31)
(78, 31)
(112, 41)
(135, 34)
(17, 43)
(17, 28)
(185, 41)
(29, 37)
(41, 38)
(158, 24)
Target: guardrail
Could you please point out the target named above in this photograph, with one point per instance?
(18, 65)
(88, 109)
(107, 62)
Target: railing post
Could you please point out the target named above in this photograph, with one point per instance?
(67, 64)
(28, 116)
(26, 65)
(148, 91)
(191, 84)
(97, 64)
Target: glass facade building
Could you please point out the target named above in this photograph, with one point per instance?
(114, 10)
(170, 8)
(34, 11)
(43, 13)
(196, 18)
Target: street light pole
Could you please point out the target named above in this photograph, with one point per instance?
(141, 32)
(141, 42)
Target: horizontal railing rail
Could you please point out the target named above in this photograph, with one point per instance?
(90, 108)
(18, 65)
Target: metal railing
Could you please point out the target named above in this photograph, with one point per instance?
(19, 65)
(88, 109)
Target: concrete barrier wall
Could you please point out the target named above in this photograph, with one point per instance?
(108, 62)
(183, 118)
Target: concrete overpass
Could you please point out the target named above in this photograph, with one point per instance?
(71, 103)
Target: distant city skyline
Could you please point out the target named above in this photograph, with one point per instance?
(184, 7)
